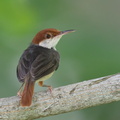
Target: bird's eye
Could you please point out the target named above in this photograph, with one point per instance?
(48, 35)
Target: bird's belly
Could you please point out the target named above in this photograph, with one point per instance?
(45, 77)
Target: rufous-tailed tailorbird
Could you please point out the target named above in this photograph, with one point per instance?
(38, 62)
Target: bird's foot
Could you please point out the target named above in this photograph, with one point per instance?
(19, 94)
(50, 89)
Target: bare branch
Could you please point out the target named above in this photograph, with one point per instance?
(67, 98)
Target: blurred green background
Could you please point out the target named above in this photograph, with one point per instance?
(92, 51)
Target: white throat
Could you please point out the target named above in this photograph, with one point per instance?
(50, 43)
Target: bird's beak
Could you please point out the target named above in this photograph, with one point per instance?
(66, 32)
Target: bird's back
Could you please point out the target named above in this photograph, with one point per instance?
(38, 62)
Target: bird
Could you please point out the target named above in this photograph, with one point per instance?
(38, 63)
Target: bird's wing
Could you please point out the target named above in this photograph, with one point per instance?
(23, 66)
(38, 62)
(44, 64)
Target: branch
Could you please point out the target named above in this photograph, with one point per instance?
(65, 99)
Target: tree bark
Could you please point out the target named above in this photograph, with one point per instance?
(64, 99)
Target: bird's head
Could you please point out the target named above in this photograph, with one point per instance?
(49, 38)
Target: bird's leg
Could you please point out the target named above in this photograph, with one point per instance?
(19, 93)
(40, 83)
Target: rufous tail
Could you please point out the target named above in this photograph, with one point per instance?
(26, 98)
